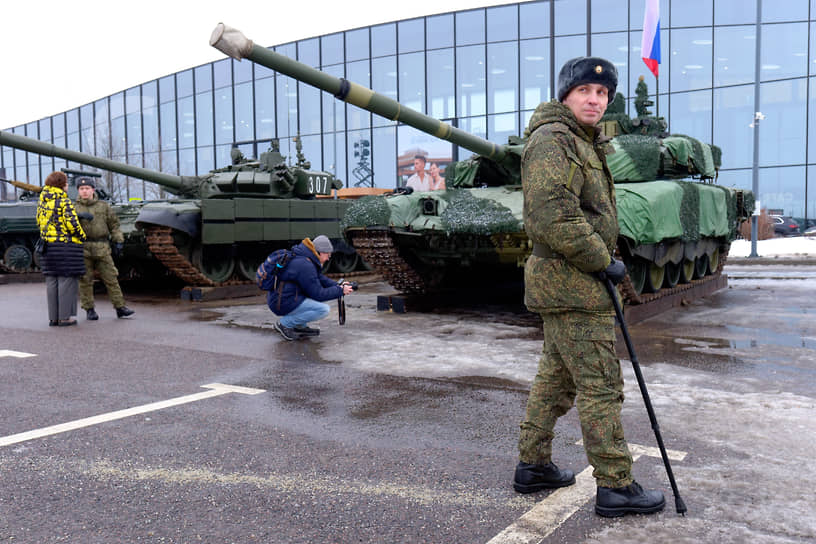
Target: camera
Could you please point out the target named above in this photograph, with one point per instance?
(354, 284)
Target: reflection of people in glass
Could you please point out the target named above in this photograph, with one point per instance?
(419, 180)
(437, 181)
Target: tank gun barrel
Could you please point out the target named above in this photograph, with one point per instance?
(23, 185)
(171, 182)
(234, 44)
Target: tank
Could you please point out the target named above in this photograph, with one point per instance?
(221, 225)
(674, 232)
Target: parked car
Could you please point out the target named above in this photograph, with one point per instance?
(811, 231)
(784, 225)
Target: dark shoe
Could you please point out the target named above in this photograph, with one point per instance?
(306, 331)
(531, 478)
(614, 502)
(67, 322)
(286, 332)
(92, 315)
(124, 311)
(53, 323)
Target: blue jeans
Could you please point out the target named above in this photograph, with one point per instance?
(309, 310)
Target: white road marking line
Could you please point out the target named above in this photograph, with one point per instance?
(547, 515)
(18, 354)
(215, 389)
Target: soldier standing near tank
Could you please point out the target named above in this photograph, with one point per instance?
(571, 217)
(101, 229)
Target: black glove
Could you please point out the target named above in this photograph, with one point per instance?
(85, 215)
(615, 272)
(117, 249)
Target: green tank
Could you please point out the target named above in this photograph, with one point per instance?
(221, 225)
(673, 232)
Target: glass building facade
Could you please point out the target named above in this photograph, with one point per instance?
(483, 70)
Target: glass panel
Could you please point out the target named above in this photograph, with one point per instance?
(309, 109)
(691, 114)
(241, 71)
(502, 77)
(782, 133)
(223, 116)
(639, 68)
(691, 59)
(150, 129)
(412, 81)
(243, 112)
(502, 23)
(734, 55)
(384, 40)
(117, 106)
(357, 44)
(44, 127)
(570, 17)
(206, 159)
(784, 51)
(690, 13)
(384, 81)
(331, 49)
(739, 179)
(535, 73)
(169, 164)
(470, 77)
(811, 125)
(360, 173)
(311, 150)
(783, 189)
(790, 10)
(501, 126)
(203, 78)
(357, 118)
(168, 126)
(614, 48)
(734, 12)
(568, 48)
(334, 111)
(134, 133)
(608, 15)
(411, 35)
(114, 149)
(204, 118)
(441, 92)
(470, 27)
(167, 89)
(334, 155)
(812, 62)
(184, 83)
(58, 126)
(440, 31)
(187, 162)
(733, 112)
(286, 93)
(265, 108)
(534, 20)
(810, 211)
(222, 155)
(222, 70)
(474, 125)
(186, 123)
(133, 100)
(637, 9)
(309, 52)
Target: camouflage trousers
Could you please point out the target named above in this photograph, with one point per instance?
(579, 365)
(107, 273)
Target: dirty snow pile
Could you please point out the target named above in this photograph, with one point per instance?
(788, 247)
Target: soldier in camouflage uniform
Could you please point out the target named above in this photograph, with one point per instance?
(101, 229)
(570, 215)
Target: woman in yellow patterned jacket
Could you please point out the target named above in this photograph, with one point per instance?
(62, 262)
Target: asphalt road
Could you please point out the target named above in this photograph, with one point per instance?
(392, 428)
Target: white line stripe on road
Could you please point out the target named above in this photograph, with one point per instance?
(18, 354)
(215, 389)
(547, 515)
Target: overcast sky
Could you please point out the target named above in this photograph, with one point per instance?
(57, 55)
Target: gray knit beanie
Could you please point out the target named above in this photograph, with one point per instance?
(322, 244)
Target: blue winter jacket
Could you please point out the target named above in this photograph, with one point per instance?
(301, 279)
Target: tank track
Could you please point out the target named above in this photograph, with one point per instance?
(378, 249)
(160, 243)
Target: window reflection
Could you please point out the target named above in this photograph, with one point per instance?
(502, 73)
(782, 136)
(784, 51)
(691, 59)
(733, 112)
(470, 75)
(734, 55)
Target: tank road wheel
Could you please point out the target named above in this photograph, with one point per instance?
(637, 274)
(654, 278)
(714, 261)
(344, 262)
(687, 270)
(700, 266)
(672, 274)
(17, 258)
(247, 266)
(217, 265)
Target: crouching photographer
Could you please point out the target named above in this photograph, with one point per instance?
(301, 290)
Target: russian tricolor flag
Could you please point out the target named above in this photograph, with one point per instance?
(650, 46)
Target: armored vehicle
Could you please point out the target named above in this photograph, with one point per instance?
(674, 234)
(222, 225)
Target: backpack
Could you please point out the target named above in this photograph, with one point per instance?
(266, 277)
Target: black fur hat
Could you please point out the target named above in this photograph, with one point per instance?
(582, 70)
(85, 181)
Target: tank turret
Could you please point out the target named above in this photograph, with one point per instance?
(222, 223)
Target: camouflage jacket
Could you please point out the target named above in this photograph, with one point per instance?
(56, 217)
(569, 213)
(104, 226)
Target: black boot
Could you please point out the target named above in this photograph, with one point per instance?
(306, 330)
(531, 478)
(91, 314)
(124, 311)
(613, 502)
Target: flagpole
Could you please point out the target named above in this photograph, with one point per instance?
(657, 97)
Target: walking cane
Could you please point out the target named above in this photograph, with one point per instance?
(678, 502)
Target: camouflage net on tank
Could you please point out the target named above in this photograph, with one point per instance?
(644, 151)
(466, 213)
(367, 211)
(690, 211)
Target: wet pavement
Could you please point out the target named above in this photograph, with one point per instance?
(392, 427)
